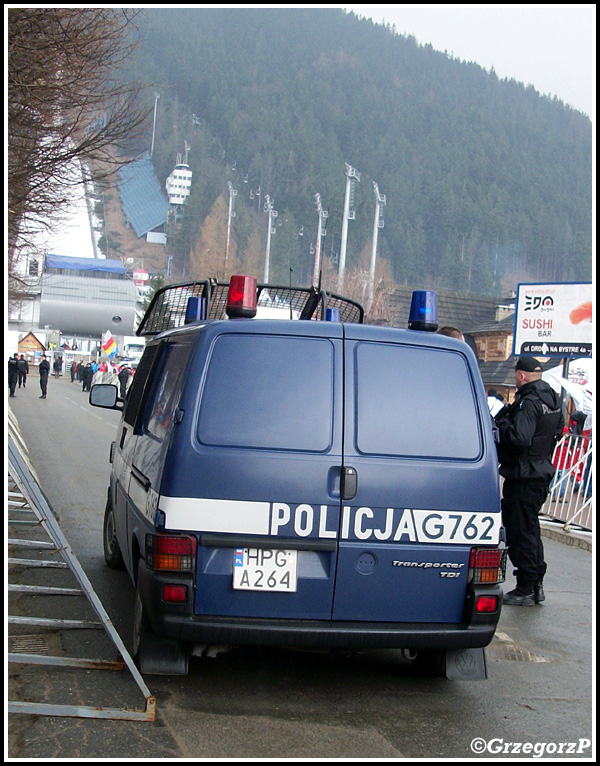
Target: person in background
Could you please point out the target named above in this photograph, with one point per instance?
(124, 376)
(73, 371)
(86, 377)
(13, 373)
(23, 366)
(44, 371)
(451, 332)
(528, 431)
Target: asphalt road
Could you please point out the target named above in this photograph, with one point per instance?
(258, 703)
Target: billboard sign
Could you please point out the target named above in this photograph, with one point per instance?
(554, 320)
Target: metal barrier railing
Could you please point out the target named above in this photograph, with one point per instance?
(571, 498)
(29, 510)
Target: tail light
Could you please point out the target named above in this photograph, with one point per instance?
(241, 297)
(487, 566)
(175, 594)
(171, 553)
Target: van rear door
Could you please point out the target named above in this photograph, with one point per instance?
(257, 476)
(421, 485)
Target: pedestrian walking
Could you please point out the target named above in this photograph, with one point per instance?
(124, 375)
(86, 377)
(23, 366)
(528, 430)
(44, 371)
(13, 374)
(73, 370)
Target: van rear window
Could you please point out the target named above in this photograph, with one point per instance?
(268, 392)
(414, 402)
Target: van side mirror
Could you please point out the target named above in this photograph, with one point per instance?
(105, 395)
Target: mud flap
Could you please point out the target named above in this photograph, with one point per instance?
(466, 664)
(162, 657)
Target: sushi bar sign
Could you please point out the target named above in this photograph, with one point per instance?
(554, 320)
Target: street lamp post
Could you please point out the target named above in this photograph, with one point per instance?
(323, 214)
(377, 224)
(271, 214)
(352, 177)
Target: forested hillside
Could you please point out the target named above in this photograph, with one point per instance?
(487, 182)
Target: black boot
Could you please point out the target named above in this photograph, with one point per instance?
(538, 592)
(518, 597)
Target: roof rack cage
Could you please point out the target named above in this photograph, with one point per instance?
(168, 306)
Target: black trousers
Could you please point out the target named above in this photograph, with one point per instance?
(521, 503)
(44, 384)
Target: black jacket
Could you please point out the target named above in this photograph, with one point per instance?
(13, 367)
(529, 429)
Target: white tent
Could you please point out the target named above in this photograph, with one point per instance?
(579, 385)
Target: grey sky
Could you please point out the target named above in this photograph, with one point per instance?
(551, 46)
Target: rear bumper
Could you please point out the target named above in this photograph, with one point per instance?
(323, 634)
(177, 622)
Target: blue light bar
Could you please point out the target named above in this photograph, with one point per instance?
(332, 315)
(423, 311)
(195, 309)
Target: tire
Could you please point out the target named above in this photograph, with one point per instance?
(112, 551)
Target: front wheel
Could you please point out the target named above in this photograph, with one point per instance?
(112, 551)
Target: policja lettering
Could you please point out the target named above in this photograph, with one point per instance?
(393, 524)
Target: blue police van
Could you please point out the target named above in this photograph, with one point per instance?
(303, 483)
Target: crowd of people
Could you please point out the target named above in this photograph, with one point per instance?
(81, 372)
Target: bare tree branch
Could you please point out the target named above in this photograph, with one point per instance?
(72, 110)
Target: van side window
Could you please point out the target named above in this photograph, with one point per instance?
(135, 397)
(425, 405)
(166, 389)
(269, 392)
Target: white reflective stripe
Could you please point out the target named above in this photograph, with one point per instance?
(199, 514)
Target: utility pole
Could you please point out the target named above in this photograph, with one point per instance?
(352, 177)
(323, 214)
(271, 214)
(232, 196)
(377, 224)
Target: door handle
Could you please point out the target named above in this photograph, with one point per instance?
(349, 483)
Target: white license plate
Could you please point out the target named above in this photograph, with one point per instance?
(265, 569)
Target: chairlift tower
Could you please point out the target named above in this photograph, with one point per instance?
(323, 214)
(232, 196)
(156, 97)
(377, 224)
(271, 215)
(352, 177)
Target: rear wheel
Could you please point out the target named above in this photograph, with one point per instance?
(112, 551)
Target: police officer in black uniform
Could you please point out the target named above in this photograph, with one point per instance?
(529, 429)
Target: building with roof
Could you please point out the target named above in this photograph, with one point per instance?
(73, 301)
(86, 297)
(142, 201)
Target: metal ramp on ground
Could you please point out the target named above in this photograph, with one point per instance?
(37, 545)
